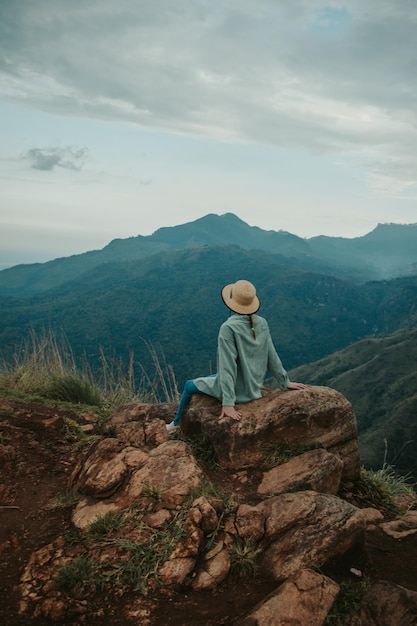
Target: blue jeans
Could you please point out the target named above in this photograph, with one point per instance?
(189, 390)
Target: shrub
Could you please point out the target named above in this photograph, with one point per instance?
(377, 488)
(77, 575)
(243, 555)
(75, 387)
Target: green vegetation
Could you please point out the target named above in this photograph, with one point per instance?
(44, 368)
(64, 501)
(78, 575)
(104, 524)
(202, 448)
(347, 602)
(278, 453)
(379, 377)
(244, 554)
(138, 552)
(151, 491)
(377, 488)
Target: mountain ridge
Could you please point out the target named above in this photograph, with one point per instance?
(390, 250)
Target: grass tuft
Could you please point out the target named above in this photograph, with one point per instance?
(102, 525)
(347, 602)
(279, 453)
(78, 575)
(377, 488)
(64, 501)
(44, 367)
(202, 448)
(244, 554)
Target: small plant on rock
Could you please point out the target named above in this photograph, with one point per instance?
(72, 429)
(347, 602)
(377, 488)
(66, 500)
(202, 448)
(78, 575)
(104, 524)
(243, 555)
(151, 491)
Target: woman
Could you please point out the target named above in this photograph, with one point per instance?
(245, 353)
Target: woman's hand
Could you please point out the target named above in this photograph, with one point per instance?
(297, 386)
(230, 411)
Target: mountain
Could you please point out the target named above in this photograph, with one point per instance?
(173, 300)
(390, 249)
(387, 252)
(163, 291)
(379, 377)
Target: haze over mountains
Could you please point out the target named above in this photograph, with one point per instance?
(320, 296)
(388, 251)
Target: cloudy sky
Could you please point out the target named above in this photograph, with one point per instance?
(117, 118)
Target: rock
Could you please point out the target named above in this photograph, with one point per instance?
(387, 604)
(52, 608)
(209, 519)
(141, 412)
(7, 455)
(55, 423)
(158, 519)
(304, 598)
(146, 434)
(213, 571)
(88, 510)
(250, 522)
(372, 516)
(115, 483)
(402, 526)
(140, 470)
(315, 415)
(317, 470)
(171, 469)
(102, 472)
(305, 529)
(175, 571)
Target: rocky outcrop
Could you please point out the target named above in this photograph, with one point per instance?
(387, 604)
(113, 477)
(317, 469)
(307, 529)
(309, 417)
(284, 521)
(304, 598)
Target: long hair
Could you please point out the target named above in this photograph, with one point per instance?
(252, 325)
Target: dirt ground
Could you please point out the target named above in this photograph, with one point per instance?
(36, 460)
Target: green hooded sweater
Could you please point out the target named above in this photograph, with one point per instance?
(242, 362)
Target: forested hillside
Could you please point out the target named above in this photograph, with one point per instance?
(388, 251)
(173, 300)
(379, 377)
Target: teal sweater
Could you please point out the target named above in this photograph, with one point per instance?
(242, 362)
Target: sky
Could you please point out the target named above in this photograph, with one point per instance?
(119, 118)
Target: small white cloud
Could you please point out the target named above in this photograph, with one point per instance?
(47, 159)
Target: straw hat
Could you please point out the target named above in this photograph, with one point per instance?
(240, 297)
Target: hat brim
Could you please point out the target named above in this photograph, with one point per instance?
(235, 306)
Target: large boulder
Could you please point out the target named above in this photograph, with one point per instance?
(316, 469)
(307, 529)
(301, 418)
(114, 477)
(387, 604)
(304, 598)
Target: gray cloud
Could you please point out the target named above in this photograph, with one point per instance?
(304, 74)
(48, 158)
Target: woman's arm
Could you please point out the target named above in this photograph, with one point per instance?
(227, 366)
